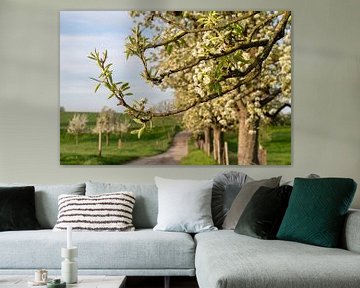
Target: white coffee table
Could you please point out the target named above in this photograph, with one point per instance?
(84, 281)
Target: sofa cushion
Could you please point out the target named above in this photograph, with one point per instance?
(225, 189)
(317, 209)
(184, 205)
(225, 259)
(142, 249)
(263, 215)
(46, 200)
(350, 239)
(146, 205)
(105, 212)
(243, 198)
(17, 208)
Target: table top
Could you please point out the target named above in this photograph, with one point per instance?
(84, 281)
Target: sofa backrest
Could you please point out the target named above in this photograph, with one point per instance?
(146, 203)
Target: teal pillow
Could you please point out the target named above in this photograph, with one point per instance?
(316, 211)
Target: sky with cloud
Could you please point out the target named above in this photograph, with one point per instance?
(80, 33)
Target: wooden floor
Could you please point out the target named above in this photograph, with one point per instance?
(158, 282)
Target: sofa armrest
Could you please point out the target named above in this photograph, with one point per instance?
(351, 234)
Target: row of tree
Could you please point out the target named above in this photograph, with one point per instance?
(229, 70)
(108, 122)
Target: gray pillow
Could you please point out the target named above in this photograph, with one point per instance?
(46, 200)
(243, 198)
(184, 205)
(310, 176)
(226, 187)
(146, 206)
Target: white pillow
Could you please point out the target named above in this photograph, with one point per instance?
(184, 205)
(104, 212)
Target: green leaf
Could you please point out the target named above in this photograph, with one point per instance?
(125, 86)
(239, 58)
(138, 121)
(169, 48)
(111, 96)
(134, 131)
(217, 88)
(238, 29)
(97, 87)
(95, 80)
(110, 78)
(140, 132)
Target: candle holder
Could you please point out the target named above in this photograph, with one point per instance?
(69, 272)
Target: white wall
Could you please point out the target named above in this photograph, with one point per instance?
(326, 91)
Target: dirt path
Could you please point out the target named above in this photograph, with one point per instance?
(177, 150)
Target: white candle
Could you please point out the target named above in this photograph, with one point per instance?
(69, 237)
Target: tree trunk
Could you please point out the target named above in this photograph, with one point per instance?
(226, 150)
(207, 141)
(215, 144)
(248, 138)
(100, 144)
(219, 146)
(262, 156)
(107, 138)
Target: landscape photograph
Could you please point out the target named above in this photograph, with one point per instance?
(175, 88)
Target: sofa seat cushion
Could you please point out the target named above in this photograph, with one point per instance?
(225, 259)
(141, 249)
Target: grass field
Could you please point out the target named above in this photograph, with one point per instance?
(197, 157)
(152, 142)
(276, 140)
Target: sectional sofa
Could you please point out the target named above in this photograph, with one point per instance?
(219, 259)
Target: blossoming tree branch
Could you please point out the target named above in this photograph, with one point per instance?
(228, 69)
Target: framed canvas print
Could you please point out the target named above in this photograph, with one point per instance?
(175, 87)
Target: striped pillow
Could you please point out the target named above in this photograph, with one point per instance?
(105, 212)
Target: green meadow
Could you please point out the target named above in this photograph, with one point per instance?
(275, 139)
(152, 142)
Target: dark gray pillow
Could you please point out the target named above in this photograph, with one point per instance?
(17, 209)
(243, 198)
(225, 189)
(263, 215)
